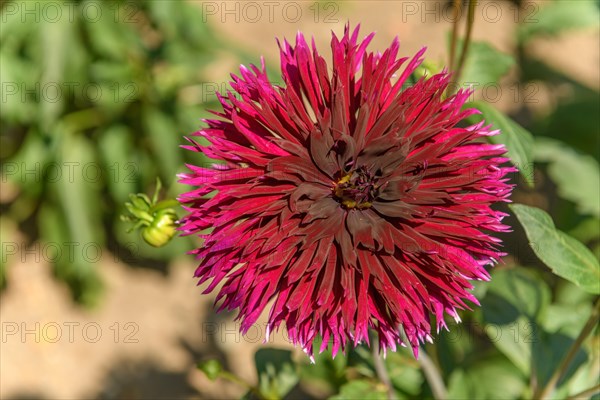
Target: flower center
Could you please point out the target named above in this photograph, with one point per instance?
(356, 189)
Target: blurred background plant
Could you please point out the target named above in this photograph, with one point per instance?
(94, 108)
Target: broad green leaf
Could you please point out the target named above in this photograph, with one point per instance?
(276, 372)
(29, 165)
(567, 257)
(492, 378)
(484, 65)
(166, 139)
(69, 256)
(522, 289)
(587, 230)
(78, 192)
(453, 346)
(120, 166)
(326, 371)
(361, 389)
(553, 17)
(518, 141)
(548, 350)
(79, 187)
(576, 175)
(569, 294)
(567, 319)
(516, 300)
(18, 81)
(117, 86)
(55, 37)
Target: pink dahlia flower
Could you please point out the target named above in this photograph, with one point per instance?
(345, 199)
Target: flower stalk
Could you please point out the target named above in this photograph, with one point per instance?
(467, 40)
(455, 66)
(433, 377)
(381, 370)
(456, 7)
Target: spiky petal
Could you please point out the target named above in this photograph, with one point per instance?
(346, 199)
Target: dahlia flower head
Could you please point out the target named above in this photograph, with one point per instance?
(345, 200)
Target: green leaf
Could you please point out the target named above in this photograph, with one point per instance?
(576, 175)
(116, 149)
(492, 378)
(518, 141)
(522, 289)
(166, 139)
(548, 350)
(361, 389)
(557, 16)
(567, 257)
(587, 230)
(112, 40)
(567, 318)
(484, 64)
(569, 294)
(516, 300)
(55, 37)
(18, 80)
(276, 372)
(406, 377)
(66, 256)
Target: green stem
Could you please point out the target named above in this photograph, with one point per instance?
(433, 376)
(467, 40)
(548, 390)
(236, 379)
(381, 370)
(456, 5)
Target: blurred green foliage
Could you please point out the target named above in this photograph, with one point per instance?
(95, 106)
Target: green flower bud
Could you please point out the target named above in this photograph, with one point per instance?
(162, 229)
(157, 220)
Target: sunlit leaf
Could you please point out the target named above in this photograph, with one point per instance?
(361, 389)
(511, 309)
(577, 176)
(566, 256)
(518, 141)
(484, 65)
(491, 378)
